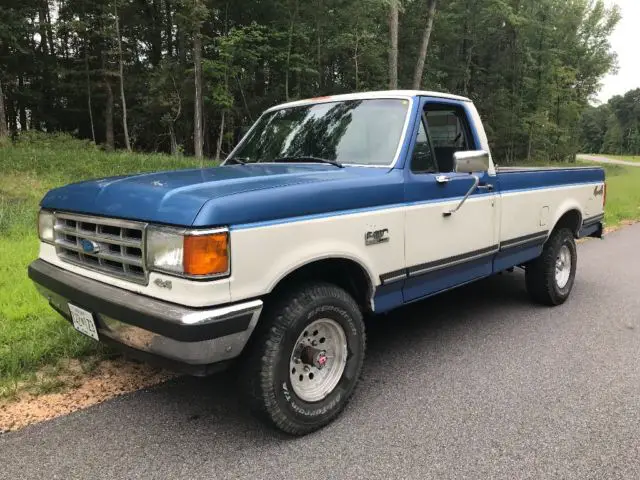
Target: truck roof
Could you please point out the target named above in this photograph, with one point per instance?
(370, 95)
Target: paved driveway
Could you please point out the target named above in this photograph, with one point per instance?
(601, 159)
(476, 384)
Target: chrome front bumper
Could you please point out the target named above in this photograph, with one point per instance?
(191, 337)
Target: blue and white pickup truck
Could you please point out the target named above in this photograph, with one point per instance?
(328, 210)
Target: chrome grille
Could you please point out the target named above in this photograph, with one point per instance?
(118, 245)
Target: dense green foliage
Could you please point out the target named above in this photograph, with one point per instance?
(613, 127)
(531, 65)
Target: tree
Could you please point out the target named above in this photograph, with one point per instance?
(4, 132)
(123, 100)
(393, 44)
(198, 15)
(422, 56)
(190, 72)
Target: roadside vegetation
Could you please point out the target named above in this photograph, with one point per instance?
(33, 338)
(623, 194)
(31, 334)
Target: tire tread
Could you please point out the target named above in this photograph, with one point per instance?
(258, 374)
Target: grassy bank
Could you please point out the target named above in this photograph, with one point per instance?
(623, 194)
(31, 334)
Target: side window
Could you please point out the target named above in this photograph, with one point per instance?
(449, 131)
(422, 160)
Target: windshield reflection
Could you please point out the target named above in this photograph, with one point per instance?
(365, 132)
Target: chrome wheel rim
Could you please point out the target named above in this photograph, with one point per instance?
(563, 266)
(318, 360)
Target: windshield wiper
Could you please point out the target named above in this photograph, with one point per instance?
(238, 160)
(308, 158)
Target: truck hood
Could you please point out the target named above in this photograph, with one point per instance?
(205, 197)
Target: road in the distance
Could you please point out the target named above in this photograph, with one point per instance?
(476, 384)
(604, 159)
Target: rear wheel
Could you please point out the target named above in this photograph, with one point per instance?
(550, 277)
(304, 367)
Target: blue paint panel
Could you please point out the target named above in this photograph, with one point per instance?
(431, 283)
(527, 179)
(516, 256)
(351, 189)
(388, 297)
(232, 194)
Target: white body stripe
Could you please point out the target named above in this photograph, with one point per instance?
(529, 211)
(431, 236)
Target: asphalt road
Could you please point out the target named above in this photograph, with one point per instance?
(601, 159)
(478, 383)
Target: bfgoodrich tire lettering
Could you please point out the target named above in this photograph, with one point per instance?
(541, 279)
(267, 373)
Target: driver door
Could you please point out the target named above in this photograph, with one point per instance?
(446, 250)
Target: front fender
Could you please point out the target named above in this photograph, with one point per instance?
(262, 256)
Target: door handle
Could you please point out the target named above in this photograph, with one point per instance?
(442, 179)
(486, 186)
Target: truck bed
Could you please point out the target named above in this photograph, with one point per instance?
(516, 168)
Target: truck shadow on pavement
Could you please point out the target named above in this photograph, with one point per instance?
(186, 405)
(187, 411)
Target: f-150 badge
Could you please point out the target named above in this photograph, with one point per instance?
(376, 236)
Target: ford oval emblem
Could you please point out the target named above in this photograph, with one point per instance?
(89, 247)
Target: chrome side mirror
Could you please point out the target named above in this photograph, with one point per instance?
(471, 161)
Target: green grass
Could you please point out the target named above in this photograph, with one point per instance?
(32, 335)
(623, 194)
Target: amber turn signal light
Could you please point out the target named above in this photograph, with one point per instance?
(206, 254)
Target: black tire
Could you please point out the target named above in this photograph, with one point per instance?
(540, 273)
(265, 375)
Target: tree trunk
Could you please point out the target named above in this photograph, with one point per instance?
(108, 116)
(319, 9)
(174, 142)
(88, 78)
(11, 113)
(355, 61)
(393, 47)
(21, 105)
(292, 19)
(197, 111)
(424, 46)
(169, 28)
(220, 137)
(52, 49)
(4, 132)
(123, 101)
(154, 7)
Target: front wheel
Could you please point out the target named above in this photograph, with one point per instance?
(550, 277)
(304, 368)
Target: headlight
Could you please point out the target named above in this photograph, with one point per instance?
(46, 222)
(190, 253)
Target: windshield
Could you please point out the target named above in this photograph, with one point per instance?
(363, 132)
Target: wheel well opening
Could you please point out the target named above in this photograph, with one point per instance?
(344, 273)
(571, 220)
